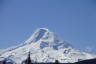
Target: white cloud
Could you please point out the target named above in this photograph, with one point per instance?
(89, 48)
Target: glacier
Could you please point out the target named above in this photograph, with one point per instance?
(45, 46)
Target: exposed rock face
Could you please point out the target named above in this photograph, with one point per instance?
(45, 46)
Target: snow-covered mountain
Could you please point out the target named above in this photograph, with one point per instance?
(45, 46)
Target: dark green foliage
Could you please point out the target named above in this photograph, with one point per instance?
(28, 61)
(56, 62)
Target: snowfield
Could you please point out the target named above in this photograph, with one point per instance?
(45, 46)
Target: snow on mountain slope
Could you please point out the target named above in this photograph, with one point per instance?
(45, 46)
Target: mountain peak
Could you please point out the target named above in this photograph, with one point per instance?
(42, 29)
(37, 35)
(47, 38)
(45, 46)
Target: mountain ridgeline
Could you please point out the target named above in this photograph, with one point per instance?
(45, 47)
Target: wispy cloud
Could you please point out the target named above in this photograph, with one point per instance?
(89, 49)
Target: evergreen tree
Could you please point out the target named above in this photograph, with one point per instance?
(28, 61)
(56, 62)
(4, 62)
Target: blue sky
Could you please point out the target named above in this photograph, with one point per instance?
(72, 20)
